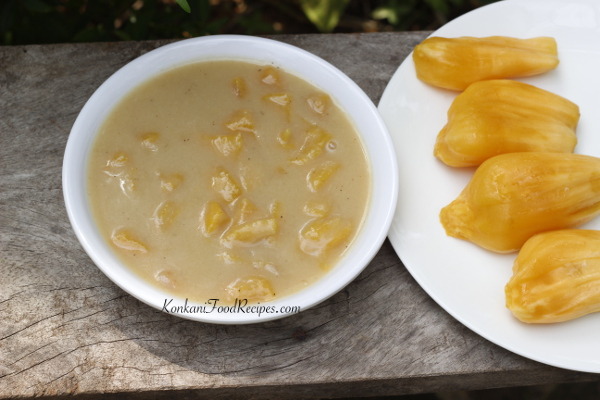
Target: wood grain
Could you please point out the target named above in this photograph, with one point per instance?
(67, 330)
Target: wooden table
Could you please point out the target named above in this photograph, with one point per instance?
(65, 329)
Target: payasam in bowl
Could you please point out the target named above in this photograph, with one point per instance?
(230, 179)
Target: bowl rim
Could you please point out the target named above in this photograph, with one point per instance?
(346, 93)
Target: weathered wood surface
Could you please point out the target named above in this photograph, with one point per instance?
(65, 329)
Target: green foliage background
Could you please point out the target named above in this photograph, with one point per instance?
(56, 21)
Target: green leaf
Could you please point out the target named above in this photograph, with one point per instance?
(398, 13)
(324, 14)
(393, 11)
(386, 13)
(184, 5)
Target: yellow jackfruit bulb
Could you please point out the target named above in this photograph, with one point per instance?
(504, 116)
(455, 63)
(556, 277)
(514, 196)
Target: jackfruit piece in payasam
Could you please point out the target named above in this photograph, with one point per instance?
(504, 116)
(244, 209)
(150, 141)
(239, 86)
(228, 145)
(319, 103)
(253, 288)
(455, 63)
(118, 160)
(241, 121)
(250, 232)
(556, 277)
(213, 218)
(226, 185)
(169, 182)
(266, 266)
(314, 144)
(124, 239)
(285, 139)
(230, 258)
(165, 214)
(318, 176)
(320, 235)
(167, 278)
(280, 99)
(119, 168)
(275, 209)
(514, 196)
(316, 208)
(270, 76)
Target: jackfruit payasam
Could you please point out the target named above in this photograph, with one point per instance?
(514, 196)
(251, 190)
(505, 116)
(455, 63)
(556, 277)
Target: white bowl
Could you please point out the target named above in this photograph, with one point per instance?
(311, 68)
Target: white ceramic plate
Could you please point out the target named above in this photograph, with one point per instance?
(465, 280)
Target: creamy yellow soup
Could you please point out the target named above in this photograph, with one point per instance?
(228, 180)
